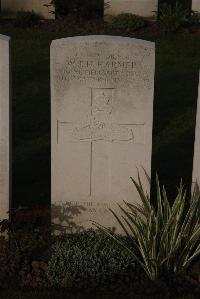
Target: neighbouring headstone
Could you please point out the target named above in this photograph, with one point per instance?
(38, 6)
(145, 8)
(196, 5)
(196, 163)
(5, 186)
(102, 113)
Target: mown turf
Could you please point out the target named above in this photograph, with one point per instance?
(176, 86)
(176, 81)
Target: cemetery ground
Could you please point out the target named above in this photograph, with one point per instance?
(176, 81)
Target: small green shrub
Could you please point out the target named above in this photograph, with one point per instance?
(127, 21)
(172, 17)
(89, 256)
(165, 239)
(27, 19)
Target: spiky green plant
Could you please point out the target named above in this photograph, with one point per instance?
(163, 237)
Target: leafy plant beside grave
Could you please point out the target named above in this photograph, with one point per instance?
(31, 258)
(164, 238)
(127, 22)
(172, 17)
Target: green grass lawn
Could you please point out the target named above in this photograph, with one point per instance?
(176, 81)
(176, 89)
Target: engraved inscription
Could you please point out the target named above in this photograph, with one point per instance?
(99, 125)
(113, 69)
(98, 130)
(92, 207)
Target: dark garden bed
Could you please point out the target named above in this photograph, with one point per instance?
(70, 27)
(87, 263)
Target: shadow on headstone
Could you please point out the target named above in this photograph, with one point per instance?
(63, 218)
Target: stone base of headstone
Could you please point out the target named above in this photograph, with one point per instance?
(72, 217)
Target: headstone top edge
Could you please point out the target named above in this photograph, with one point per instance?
(5, 37)
(102, 38)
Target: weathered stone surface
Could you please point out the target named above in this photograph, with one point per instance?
(196, 5)
(13, 6)
(145, 8)
(102, 113)
(196, 163)
(5, 189)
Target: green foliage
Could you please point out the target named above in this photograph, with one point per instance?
(89, 256)
(172, 17)
(164, 238)
(127, 21)
(185, 3)
(87, 10)
(27, 19)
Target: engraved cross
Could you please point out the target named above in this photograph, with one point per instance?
(99, 125)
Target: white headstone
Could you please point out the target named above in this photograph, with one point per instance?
(4, 126)
(102, 113)
(145, 8)
(196, 163)
(196, 5)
